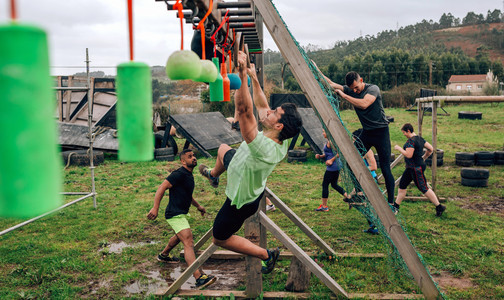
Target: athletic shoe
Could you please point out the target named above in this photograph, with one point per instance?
(269, 265)
(439, 210)
(270, 207)
(167, 258)
(371, 230)
(395, 210)
(322, 208)
(205, 171)
(205, 280)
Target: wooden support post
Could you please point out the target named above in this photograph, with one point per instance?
(302, 256)
(298, 279)
(299, 223)
(190, 270)
(59, 97)
(420, 118)
(434, 144)
(252, 229)
(337, 132)
(68, 99)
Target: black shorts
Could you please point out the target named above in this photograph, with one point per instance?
(228, 156)
(229, 219)
(417, 175)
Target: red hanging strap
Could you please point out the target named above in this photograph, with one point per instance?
(178, 6)
(130, 27)
(13, 10)
(201, 27)
(224, 20)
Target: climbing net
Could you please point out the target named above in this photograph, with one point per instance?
(350, 182)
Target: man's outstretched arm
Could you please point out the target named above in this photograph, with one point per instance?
(244, 109)
(260, 100)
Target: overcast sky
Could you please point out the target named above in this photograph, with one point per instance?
(101, 25)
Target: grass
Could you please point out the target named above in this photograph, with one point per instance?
(66, 254)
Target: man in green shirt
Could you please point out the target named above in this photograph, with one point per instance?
(250, 165)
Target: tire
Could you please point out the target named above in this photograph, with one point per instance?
(81, 158)
(498, 155)
(474, 173)
(390, 119)
(499, 162)
(464, 162)
(483, 155)
(296, 159)
(158, 138)
(484, 163)
(171, 143)
(471, 115)
(440, 153)
(440, 162)
(165, 158)
(474, 182)
(464, 156)
(163, 151)
(297, 153)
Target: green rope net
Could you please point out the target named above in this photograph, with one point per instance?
(349, 181)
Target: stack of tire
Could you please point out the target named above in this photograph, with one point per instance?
(440, 154)
(464, 159)
(164, 154)
(484, 158)
(392, 158)
(296, 156)
(499, 157)
(474, 177)
(81, 158)
(471, 115)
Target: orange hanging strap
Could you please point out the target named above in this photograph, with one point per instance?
(201, 27)
(130, 27)
(178, 6)
(13, 10)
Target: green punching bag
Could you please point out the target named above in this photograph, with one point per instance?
(134, 112)
(30, 165)
(216, 87)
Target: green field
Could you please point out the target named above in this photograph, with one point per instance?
(69, 254)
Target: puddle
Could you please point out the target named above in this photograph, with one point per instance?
(229, 273)
(118, 247)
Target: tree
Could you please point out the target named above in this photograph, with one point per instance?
(470, 19)
(494, 16)
(446, 20)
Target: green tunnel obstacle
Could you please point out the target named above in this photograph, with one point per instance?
(134, 112)
(30, 178)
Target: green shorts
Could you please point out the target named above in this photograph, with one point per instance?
(178, 223)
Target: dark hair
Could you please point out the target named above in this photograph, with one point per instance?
(407, 127)
(291, 120)
(357, 133)
(184, 152)
(350, 77)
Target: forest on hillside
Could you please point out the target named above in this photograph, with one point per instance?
(412, 54)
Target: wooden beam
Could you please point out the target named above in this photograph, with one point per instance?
(413, 198)
(227, 254)
(190, 270)
(242, 294)
(458, 99)
(434, 145)
(253, 278)
(384, 296)
(302, 256)
(204, 238)
(337, 132)
(299, 223)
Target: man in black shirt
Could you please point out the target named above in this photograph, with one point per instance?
(415, 167)
(367, 101)
(181, 185)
